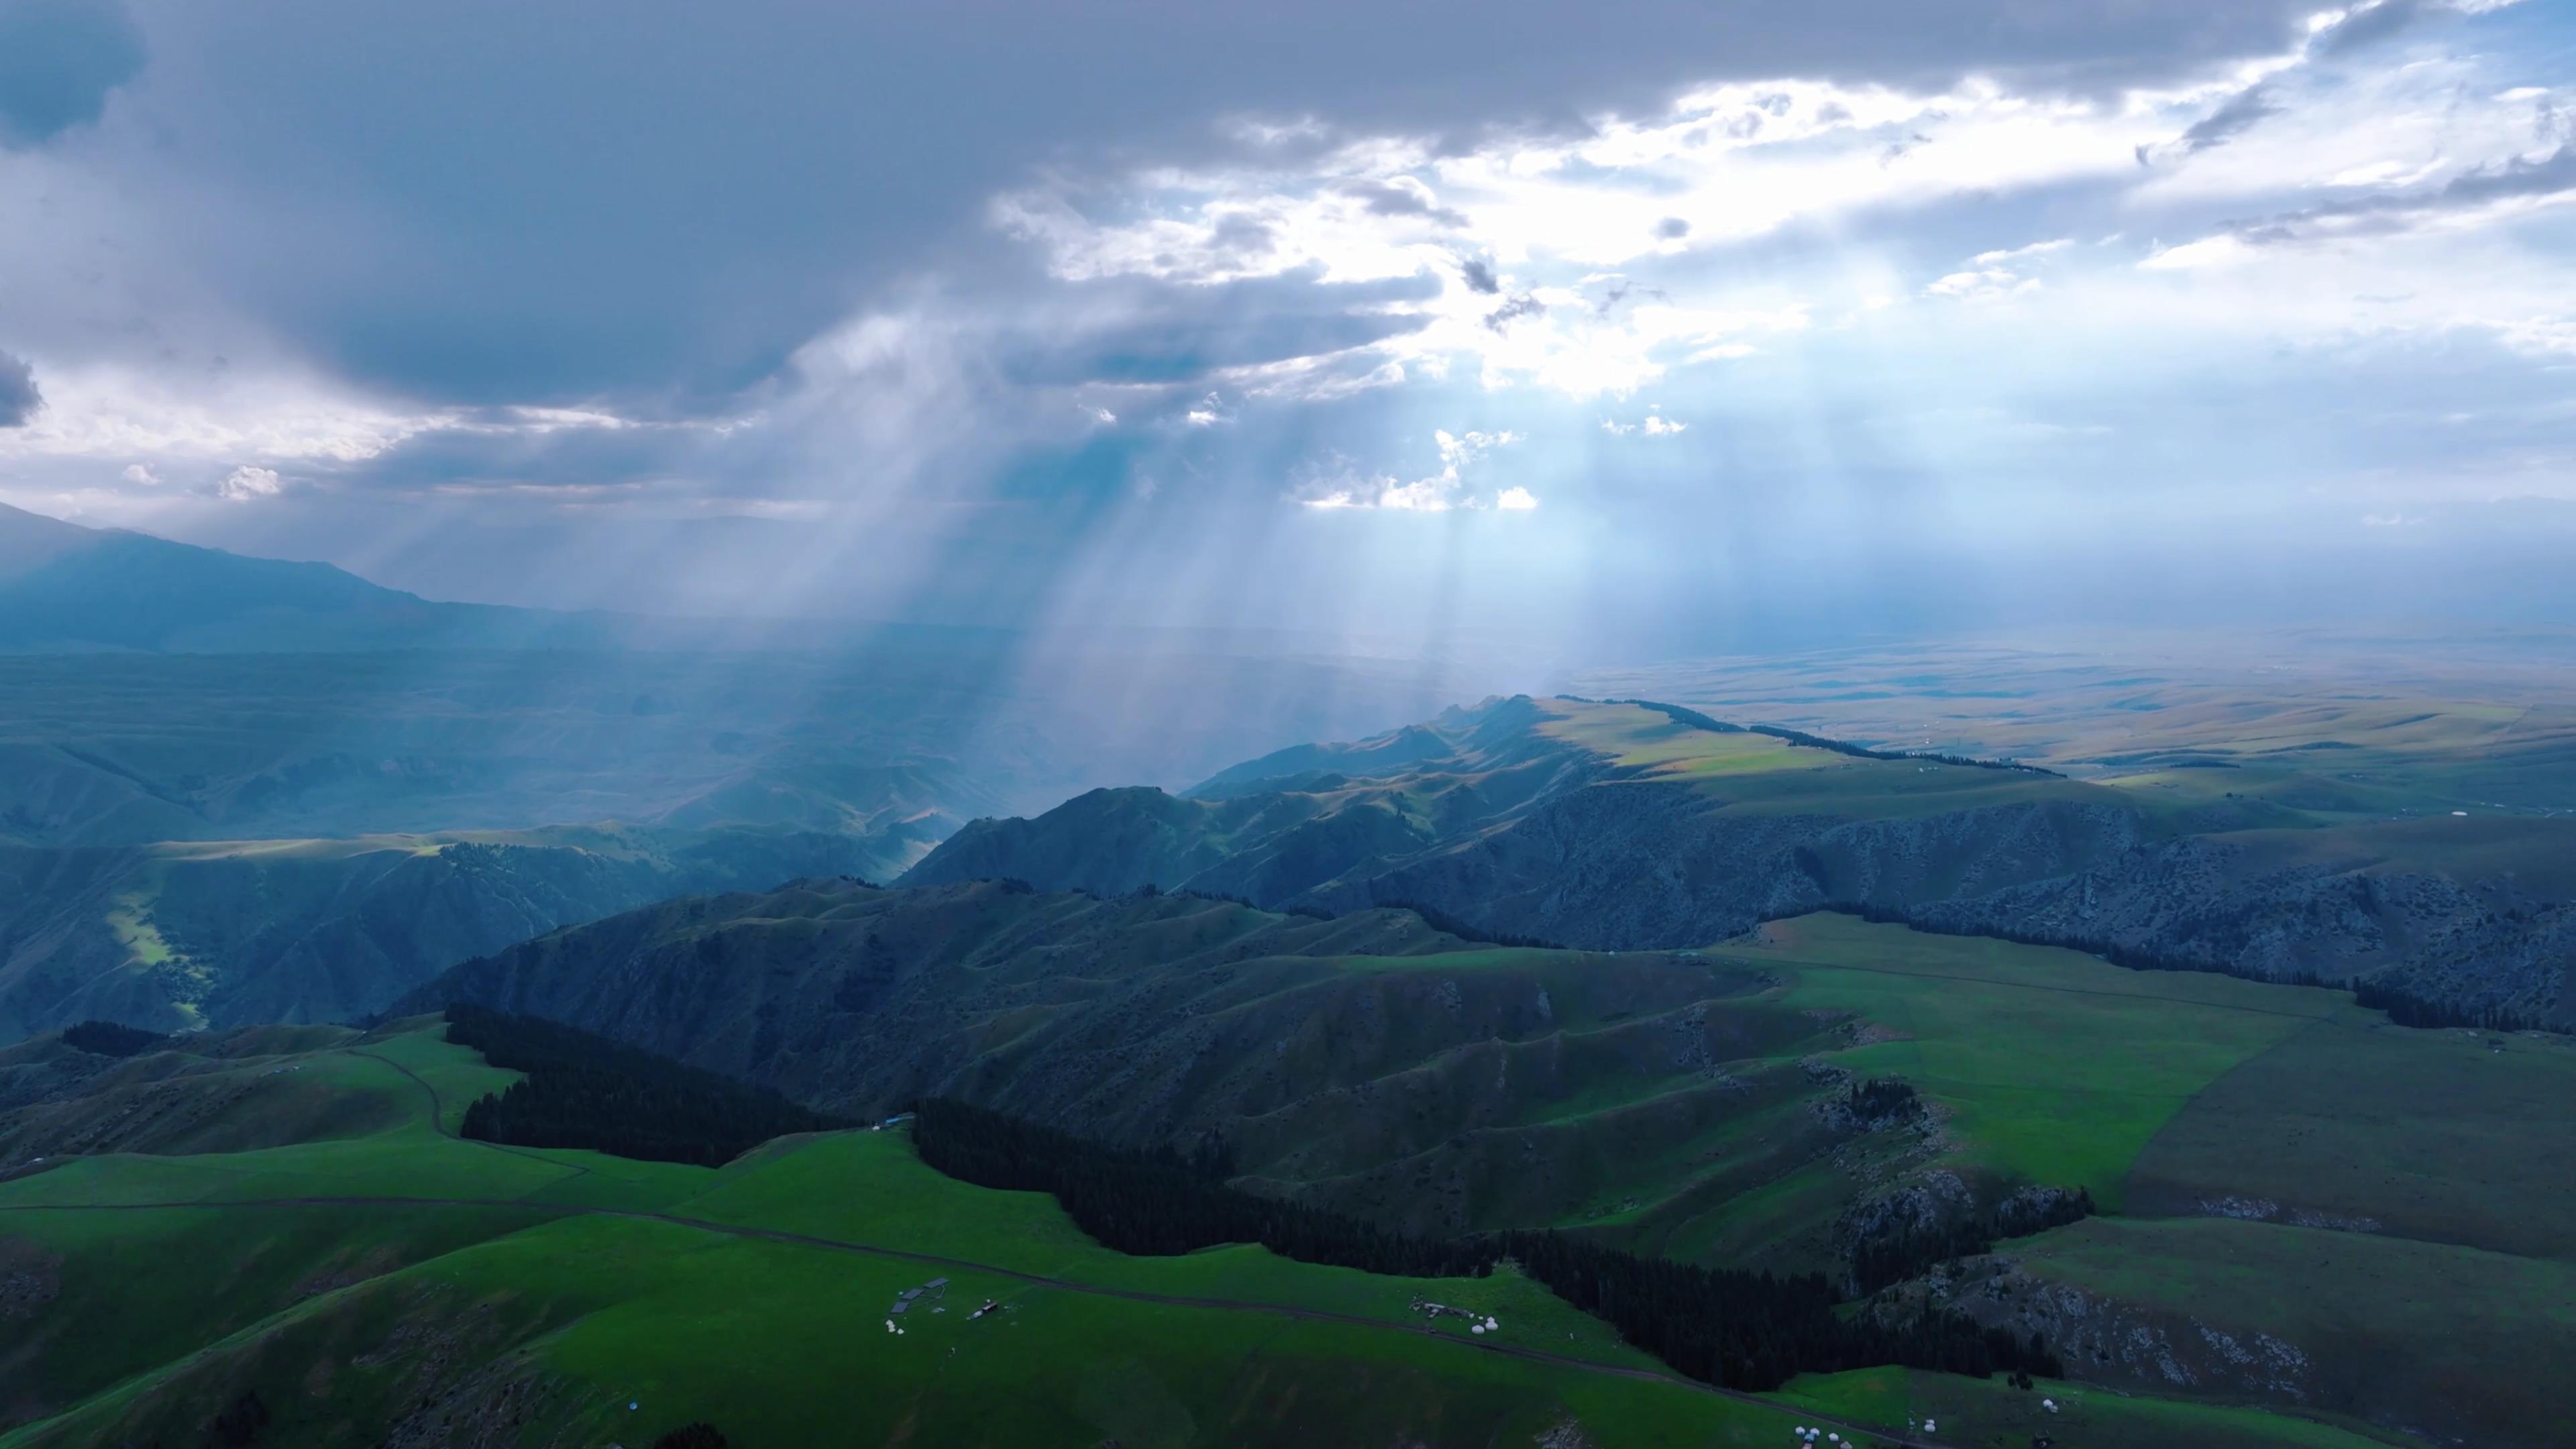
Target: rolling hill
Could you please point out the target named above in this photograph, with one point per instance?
(1635, 827)
(370, 1277)
(1713, 1105)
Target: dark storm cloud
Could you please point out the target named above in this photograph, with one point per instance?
(58, 61)
(490, 201)
(19, 398)
(1479, 276)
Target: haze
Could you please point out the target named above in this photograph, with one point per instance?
(1720, 326)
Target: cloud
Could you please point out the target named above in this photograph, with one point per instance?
(19, 397)
(1479, 275)
(1440, 492)
(59, 59)
(1526, 304)
(246, 483)
(2366, 25)
(1403, 196)
(2472, 195)
(1654, 425)
(2240, 113)
(141, 475)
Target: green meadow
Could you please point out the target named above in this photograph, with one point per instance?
(402, 1284)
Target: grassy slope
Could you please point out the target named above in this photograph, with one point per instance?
(2059, 1067)
(346, 1317)
(1989, 1414)
(783, 1343)
(1765, 775)
(2399, 1331)
(2444, 1136)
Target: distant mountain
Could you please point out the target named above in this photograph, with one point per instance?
(180, 937)
(1627, 827)
(69, 589)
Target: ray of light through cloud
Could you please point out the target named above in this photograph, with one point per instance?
(1670, 354)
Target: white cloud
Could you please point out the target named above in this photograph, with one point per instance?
(245, 483)
(1437, 493)
(2035, 249)
(141, 474)
(2215, 251)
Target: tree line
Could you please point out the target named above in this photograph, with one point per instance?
(2404, 1007)
(1891, 1258)
(111, 1039)
(1741, 1330)
(1440, 920)
(1698, 721)
(583, 1090)
(2408, 1008)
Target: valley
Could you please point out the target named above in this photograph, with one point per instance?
(2203, 1024)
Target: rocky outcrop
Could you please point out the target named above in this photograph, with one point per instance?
(2105, 1341)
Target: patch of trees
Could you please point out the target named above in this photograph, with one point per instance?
(2404, 1007)
(1160, 1204)
(1440, 920)
(1311, 912)
(2134, 958)
(1748, 1331)
(241, 1423)
(2408, 1008)
(586, 1091)
(1681, 716)
(1883, 1099)
(1846, 747)
(1890, 1258)
(111, 1038)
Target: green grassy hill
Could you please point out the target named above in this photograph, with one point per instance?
(1684, 1104)
(405, 1287)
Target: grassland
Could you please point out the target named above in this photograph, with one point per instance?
(1989, 1414)
(2453, 1340)
(1761, 774)
(404, 1282)
(2057, 1066)
(429, 1250)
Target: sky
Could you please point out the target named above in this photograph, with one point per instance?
(1604, 331)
